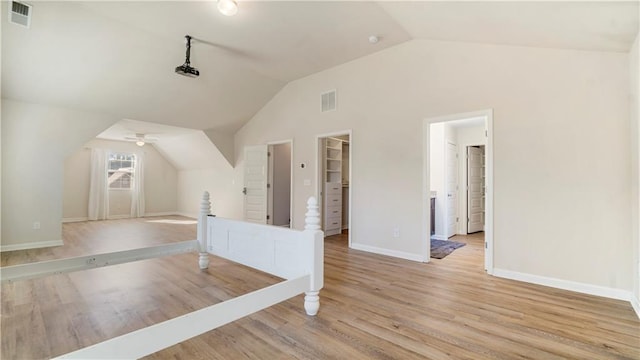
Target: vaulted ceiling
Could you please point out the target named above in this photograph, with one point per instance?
(118, 57)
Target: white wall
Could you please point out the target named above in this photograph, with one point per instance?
(75, 191)
(562, 152)
(160, 182)
(35, 141)
(192, 183)
(201, 167)
(634, 64)
(470, 136)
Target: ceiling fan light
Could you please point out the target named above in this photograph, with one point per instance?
(228, 7)
(140, 143)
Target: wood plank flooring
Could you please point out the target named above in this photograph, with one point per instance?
(372, 306)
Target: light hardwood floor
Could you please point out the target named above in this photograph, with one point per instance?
(372, 306)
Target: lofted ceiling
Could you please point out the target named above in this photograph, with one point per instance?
(185, 149)
(118, 57)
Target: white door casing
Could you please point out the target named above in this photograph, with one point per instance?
(255, 183)
(475, 189)
(270, 182)
(452, 189)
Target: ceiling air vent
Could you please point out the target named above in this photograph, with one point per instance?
(328, 101)
(20, 13)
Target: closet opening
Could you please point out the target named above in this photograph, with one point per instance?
(334, 183)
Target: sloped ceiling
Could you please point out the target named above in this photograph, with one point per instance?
(118, 57)
(185, 149)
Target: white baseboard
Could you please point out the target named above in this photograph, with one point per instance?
(76, 219)
(118, 217)
(193, 216)
(382, 251)
(590, 289)
(439, 237)
(635, 303)
(31, 245)
(166, 213)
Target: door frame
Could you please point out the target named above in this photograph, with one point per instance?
(270, 162)
(319, 177)
(426, 182)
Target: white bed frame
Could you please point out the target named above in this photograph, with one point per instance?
(296, 256)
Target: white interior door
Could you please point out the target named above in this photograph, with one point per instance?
(475, 192)
(255, 183)
(452, 189)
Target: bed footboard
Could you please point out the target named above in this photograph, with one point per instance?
(282, 252)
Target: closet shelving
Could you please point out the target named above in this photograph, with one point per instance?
(333, 186)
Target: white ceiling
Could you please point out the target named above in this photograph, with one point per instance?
(584, 25)
(185, 149)
(118, 57)
(129, 128)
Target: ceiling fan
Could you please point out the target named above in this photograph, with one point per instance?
(141, 139)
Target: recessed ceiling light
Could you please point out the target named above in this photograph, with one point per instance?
(373, 39)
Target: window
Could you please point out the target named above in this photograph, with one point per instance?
(120, 170)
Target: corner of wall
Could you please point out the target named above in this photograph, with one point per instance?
(224, 141)
(634, 89)
(635, 303)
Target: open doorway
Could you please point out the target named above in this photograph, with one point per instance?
(334, 182)
(458, 184)
(279, 184)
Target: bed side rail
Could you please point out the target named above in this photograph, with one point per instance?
(59, 266)
(154, 338)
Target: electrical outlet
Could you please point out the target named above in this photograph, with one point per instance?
(36, 225)
(396, 232)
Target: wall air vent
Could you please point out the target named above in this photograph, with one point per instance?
(328, 100)
(20, 13)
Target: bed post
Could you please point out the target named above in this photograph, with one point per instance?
(205, 210)
(315, 256)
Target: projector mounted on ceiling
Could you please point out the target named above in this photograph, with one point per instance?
(186, 69)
